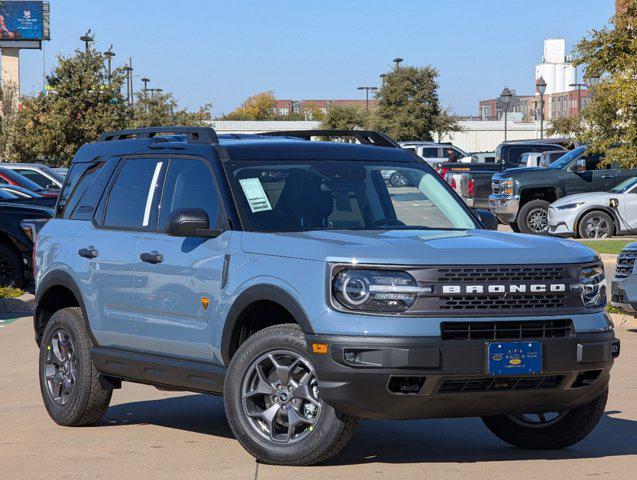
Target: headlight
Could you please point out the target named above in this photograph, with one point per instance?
(592, 286)
(568, 206)
(506, 186)
(376, 290)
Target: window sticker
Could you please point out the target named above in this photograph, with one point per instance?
(257, 199)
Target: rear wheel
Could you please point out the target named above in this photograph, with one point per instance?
(551, 430)
(11, 267)
(69, 382)
(398, 180)
(596, 225)
(273, 404)
(534, 217)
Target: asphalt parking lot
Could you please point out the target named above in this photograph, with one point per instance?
(152, 434)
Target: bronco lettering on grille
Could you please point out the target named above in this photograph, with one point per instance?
(519, 288)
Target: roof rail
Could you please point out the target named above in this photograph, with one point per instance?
(366, 137)
(205, 135)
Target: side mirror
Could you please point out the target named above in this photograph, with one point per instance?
(190, 222)
(580, 165)
(488, 219)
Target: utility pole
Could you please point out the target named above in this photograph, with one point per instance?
(109, 54)
(367, 89)
(87, 38)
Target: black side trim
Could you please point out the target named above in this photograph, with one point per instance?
(57, 278)
(255, 294)
(159, 370)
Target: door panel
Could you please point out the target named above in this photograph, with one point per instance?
(177, 301)
(628, 210)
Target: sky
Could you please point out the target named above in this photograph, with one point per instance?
(221, 52)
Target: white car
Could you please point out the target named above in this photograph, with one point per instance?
(434, 153)
(596, 214)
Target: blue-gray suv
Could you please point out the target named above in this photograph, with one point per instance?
(286, 275)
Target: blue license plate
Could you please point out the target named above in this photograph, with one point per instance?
(515, 358)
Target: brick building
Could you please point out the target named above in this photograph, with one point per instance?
(286, 108)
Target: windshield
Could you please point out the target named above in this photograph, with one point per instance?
(567, 158)
(625, 185)
(342, 195)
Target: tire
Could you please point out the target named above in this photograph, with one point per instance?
(398, 180)
(329, 433)
(514, 227)
(596, 224)
(86, 400)
(532, 215)
(11, 267)
(566, 430)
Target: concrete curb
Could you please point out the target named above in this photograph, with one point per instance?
(23, 304)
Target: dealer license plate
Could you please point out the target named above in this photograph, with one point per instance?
(515, 358)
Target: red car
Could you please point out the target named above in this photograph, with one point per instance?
(13, 178)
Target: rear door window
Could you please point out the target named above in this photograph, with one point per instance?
(132, 200)
(430, 153)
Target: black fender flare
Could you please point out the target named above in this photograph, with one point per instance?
(601, 208)
(254, 294)
(59, 278)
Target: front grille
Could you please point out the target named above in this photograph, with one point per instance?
(498, 384)
(502, 274)
(625, 263)
(506, 330)
(495, 302)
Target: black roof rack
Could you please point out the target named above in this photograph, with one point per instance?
(366, 137)
(205, 135)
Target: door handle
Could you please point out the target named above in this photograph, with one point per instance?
(608, 176)
(151, 257)
(88, 252)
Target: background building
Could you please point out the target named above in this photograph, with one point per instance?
(285, 108)
(563, 96)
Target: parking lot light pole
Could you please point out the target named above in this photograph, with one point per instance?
(506, 99)
(367, 89)
(87, 38)
(145, 81)
(397, 61)
(591, 83)
(541, 89)
(382, 78)
(109, 54)
(579, 94)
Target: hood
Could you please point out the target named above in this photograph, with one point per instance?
(9, 206)
(517, 170)
(597, 198)
(418, 247)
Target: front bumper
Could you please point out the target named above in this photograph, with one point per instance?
(476, 202)
(505, 207)
(562, 222)
(364, 385)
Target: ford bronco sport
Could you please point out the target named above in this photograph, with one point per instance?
(287, 276)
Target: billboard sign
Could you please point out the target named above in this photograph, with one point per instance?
(21, 21)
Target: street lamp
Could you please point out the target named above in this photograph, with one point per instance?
(367, 89)
(591, 83)
(382, 77)
(145, 82)
(130, 94)
(506, 96)
(541, 89)
(109, 54)
(154, 90)
(87, 38)
(397, 61)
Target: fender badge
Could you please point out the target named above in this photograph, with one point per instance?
(205, 302)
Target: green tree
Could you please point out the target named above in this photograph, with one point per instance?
(610, 118)
(567, 126)
(162, 109)
(79, 104)
(345, 117)
(256, 107)
(408, 104)
(446, 122)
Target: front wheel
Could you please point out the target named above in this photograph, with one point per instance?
(548, 431)
(273, 403)
(596, 225)
(398, 180)
(533, 217)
